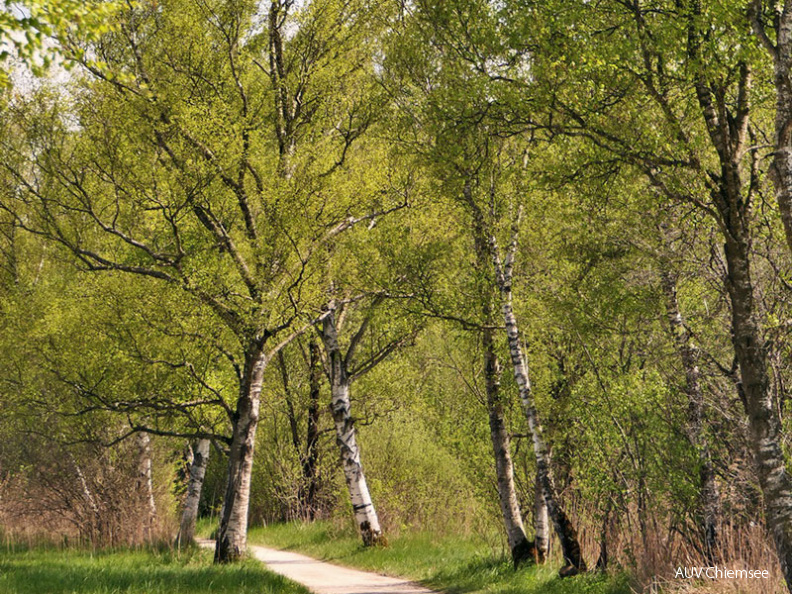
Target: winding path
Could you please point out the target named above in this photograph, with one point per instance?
(325, 578)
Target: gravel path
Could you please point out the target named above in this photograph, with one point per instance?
(325, 578)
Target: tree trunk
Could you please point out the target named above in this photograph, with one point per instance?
(365, 514)
(709, 509)
(311, 457)
(764, 424)
(541, 524)
(232, 532)
(521, 549)
(486, 244)
(93, 529)
(781, 52)
(145, 482)
(567, 534)
(190, 511)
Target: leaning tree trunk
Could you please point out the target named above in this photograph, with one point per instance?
(521, 549)
(232, 532)
(194, 486)
(567, 535)
(145, 482)
(365, 514)
(541, 524)
(688, 353)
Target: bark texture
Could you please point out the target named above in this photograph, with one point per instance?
(567, 534)
(487, 244)
(200, 459)
(232, 532)
(765, 426)
(732, 199)
(365, 514)
(781, 52)
(521, 549)
(709, 499)
(541, 524)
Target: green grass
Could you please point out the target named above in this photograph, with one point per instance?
(50, 571)
(451, 564)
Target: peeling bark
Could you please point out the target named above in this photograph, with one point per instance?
(194, 486)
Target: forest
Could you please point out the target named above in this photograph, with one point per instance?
(495, 295)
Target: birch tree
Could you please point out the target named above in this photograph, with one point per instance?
(772, 25)
(342, 369)
(504, 274)
(206, 215)
(145, 482)
(199, 458)
(689, 355)
(464, 141)
(705, 161)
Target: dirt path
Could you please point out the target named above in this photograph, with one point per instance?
(325, 578)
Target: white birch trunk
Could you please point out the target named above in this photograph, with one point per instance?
(365, 514)
(566, 531)
(96, 516)
(194, 486)
(145, 482)
(521, 549)
(541, 524)
(232, 532)
(709, 501)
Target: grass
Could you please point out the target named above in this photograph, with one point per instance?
(51, 571)
(451, 564)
